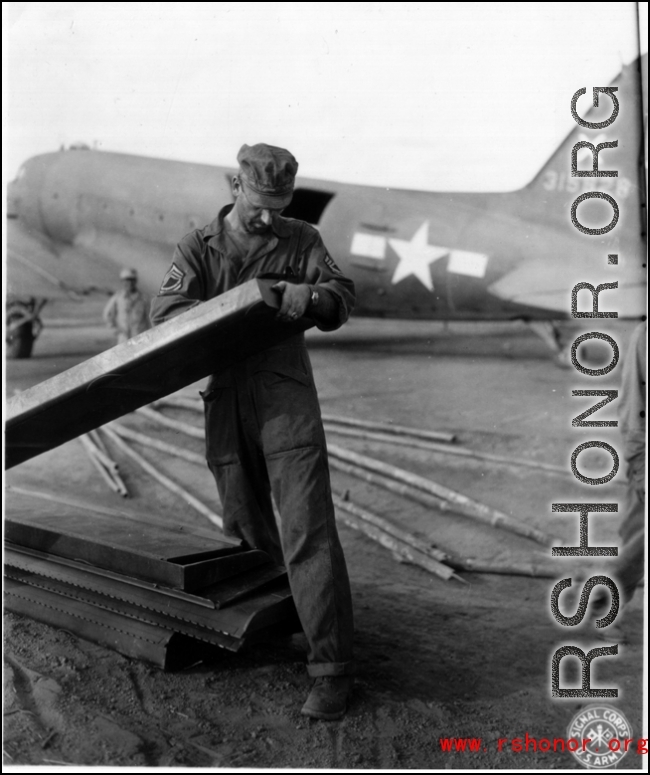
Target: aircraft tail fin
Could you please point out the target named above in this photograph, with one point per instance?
(549, 196)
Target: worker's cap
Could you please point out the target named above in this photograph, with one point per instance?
(128, 274)
(267, 174)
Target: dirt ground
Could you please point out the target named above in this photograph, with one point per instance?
(436, 659)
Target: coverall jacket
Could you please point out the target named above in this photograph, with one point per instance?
(263, 426)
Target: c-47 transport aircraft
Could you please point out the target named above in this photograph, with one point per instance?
(76, 217)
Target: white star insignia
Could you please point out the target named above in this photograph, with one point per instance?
(415, 256)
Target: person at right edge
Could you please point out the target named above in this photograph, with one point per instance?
(262, 418)
(629, 568)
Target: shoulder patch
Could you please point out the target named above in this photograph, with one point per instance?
(173, 280)
(330, 262)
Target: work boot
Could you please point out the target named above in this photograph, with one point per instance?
(328, 698)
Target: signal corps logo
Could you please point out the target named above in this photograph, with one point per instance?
(605, 734)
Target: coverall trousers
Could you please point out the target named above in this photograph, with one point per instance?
(264, 434)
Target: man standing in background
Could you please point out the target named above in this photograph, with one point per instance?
(127, 311)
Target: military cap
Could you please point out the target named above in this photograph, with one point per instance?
(128, 274)
(267, 174)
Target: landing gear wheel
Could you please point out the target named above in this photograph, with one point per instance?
(20, 340)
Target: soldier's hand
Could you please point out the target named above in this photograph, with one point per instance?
(295, 300)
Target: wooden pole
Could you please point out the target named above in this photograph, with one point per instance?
(96, 447)
(177, 425)
(164, 480)
(94, 443)
(54, 498)
(446, 449)
(106, 476)
(95, 450)
(388, 527)
(383, 427)
(403, 550)
(400, 488)
(458, 502)
(183, 402)
(99, 442)
(507, 568)
(161, 446)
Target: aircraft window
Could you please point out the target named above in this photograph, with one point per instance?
(308, 205)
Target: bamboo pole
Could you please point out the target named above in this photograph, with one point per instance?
(177, 425)
(398, 547)
(183, 402)
(399, 430)
(447, 449)
(54, 498)
(98, 449)
(431, 501)
(458, 502)
(405, 441)
(525, 567)
(106, 476)
(161, 446)
(195, 503)
(509, 568)
(388, 527)
(90, 444)
(99, 442)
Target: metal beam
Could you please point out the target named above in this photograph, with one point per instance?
(204, 340)
(161, 554)
(146, 594)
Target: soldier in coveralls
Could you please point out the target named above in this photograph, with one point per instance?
(263, 426)
(127, 310)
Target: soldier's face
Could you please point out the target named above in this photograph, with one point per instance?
(254, 220)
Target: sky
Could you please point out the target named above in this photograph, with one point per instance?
(435, 96)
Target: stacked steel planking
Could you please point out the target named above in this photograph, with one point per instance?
(162, 594)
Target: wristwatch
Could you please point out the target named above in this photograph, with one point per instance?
(313, 301)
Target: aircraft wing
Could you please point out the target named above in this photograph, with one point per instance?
(540, 283)
(39, 268)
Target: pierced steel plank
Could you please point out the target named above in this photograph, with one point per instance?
(152, 552)
(204, 340)
(30, 559)
(126, 608)
(128, 636)
(246, 611)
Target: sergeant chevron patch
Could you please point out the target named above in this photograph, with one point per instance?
(330, 263)
(173, 280)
